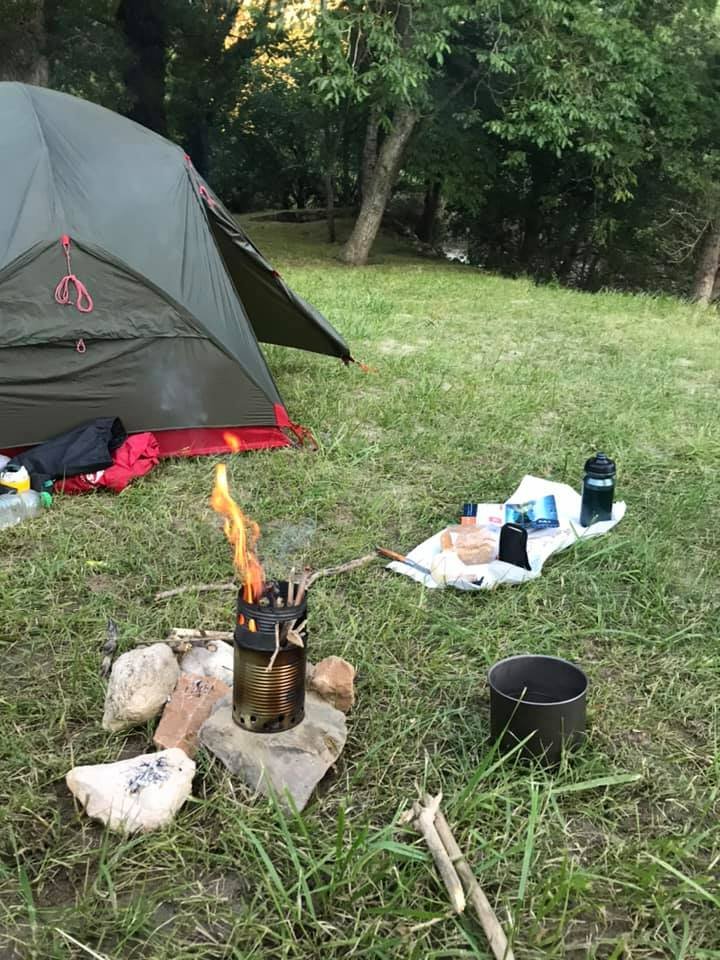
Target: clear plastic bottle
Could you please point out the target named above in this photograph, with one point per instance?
(16, 507)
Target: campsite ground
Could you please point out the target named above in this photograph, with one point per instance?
(479, 380)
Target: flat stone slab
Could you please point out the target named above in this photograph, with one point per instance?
(291, 762)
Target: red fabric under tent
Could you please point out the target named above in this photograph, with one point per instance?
(201, 441)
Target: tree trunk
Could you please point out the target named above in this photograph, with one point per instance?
(427, 228)
(22, 42)
(707, 271)
(376, 196)
(370, 150)
(197, 145)
(145, 28)
(716, 288)
(330, 156)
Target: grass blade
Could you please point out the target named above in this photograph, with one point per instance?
(686, 880)
(529, 840)
(610, 781)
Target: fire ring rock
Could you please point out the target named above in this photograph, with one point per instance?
(290, 763)
(140, 684)
(189, 707)
(215, 659)
(333, 679)
(139, 794)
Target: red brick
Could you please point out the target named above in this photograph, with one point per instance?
(189, 707)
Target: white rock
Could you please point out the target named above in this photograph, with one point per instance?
(214, 660)
(140, 684)
(142, 793)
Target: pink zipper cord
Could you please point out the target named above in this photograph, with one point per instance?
(83, 300)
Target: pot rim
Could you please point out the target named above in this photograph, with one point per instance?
(538, 703)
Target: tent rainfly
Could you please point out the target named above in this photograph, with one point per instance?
(127, 289)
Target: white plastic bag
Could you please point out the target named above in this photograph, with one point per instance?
(541, 544)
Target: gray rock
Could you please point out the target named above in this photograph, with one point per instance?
(139, 794)
(140, 684)
(213, 660)
(291, 762)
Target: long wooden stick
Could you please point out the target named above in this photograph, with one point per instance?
(183, 633)
(486, 915)
(196, 588)
(231, 585)
(340, 568)
(424, 823)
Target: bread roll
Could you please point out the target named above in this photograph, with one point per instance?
(475, 545)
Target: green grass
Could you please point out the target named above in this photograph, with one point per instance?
(479, 380)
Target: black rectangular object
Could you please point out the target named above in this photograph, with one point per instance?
(513, 545)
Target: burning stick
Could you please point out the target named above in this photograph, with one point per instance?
(302, 586)
(242, 534)
(291, 588)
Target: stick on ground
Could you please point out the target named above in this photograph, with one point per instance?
(486, 915)
(424, 823)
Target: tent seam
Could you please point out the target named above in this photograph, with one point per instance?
(57, 202)
(199, 200)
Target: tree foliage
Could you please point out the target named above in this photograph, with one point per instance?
(576, 140)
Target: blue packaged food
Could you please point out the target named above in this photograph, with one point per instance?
(534, 514)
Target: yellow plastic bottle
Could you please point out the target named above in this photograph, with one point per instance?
(16, 479)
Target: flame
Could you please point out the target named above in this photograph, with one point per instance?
(232, 442)
(242, 533)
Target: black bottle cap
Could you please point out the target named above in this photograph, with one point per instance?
(600, 466)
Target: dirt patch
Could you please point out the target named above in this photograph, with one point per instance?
(230, 887)
(394, 348)
(101, 583)
(586, 840)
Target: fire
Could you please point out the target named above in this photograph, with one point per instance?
(232, 441)
(242, 533)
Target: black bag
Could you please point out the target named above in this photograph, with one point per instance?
(85, 449)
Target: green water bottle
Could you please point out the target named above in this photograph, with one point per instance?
(598, 490)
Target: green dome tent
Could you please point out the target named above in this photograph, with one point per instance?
(127, 289)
